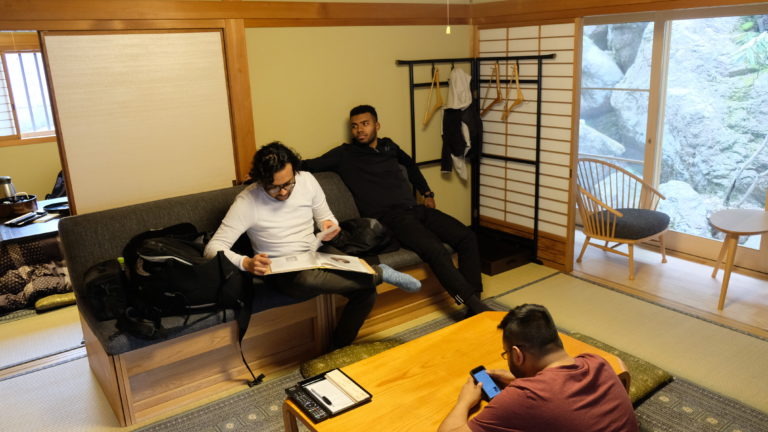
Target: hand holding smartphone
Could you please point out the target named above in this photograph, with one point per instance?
(490, 388)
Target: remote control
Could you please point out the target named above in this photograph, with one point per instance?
(25, 218)
(311, 408)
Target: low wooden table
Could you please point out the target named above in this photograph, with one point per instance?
(32, 230)
(415, 385)
(735, 223)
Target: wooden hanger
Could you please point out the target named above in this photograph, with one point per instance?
(438, 99)
(488, 90)
(519, 98)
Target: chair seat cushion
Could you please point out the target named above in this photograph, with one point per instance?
(637, 223)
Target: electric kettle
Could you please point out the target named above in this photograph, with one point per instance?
(6, 187)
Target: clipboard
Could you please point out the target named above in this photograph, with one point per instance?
(328, 394)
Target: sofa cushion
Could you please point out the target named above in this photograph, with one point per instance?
(337, 194)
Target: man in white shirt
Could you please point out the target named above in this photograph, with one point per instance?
(279, 213)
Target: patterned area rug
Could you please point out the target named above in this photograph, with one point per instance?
(260, 408)
(684, 407)
(677, 407)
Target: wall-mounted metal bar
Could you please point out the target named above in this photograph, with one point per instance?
(429, 162)
(413, 113)
(509, 159)
(476, 59)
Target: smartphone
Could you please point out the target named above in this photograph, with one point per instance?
(490, 389)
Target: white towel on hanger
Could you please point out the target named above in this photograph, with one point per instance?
(459, 93)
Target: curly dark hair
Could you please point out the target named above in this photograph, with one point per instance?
(270, 159)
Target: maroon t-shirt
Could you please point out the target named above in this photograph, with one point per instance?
(582, 397)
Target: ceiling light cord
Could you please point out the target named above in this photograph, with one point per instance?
(447, 17)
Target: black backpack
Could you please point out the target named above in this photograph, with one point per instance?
(165, 274)
(168, 275)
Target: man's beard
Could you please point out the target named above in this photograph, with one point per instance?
(371, 138)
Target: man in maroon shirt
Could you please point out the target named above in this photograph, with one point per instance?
(547, 390)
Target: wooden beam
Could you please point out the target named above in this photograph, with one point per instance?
(19, 41)
(366, 21)
(347, 13)
(520, 11)
(109, 15)
(116, 25)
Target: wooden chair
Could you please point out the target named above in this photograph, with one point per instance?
(618, 206)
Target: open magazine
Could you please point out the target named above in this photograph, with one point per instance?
(309, 260)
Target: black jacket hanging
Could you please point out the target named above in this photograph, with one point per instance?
(454, 142)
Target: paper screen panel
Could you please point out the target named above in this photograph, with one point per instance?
(142, 116)
(507, 188)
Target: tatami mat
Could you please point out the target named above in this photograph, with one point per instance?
(515, 278)
(62, 398)
(39, 335)
(67, 398)
(714, 357)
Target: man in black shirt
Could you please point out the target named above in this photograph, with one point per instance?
(372, 169)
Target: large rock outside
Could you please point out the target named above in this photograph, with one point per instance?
(716, 111)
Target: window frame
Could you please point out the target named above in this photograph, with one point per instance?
(685, 243)
(23, 43)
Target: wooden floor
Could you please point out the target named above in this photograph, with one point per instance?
(684, 283)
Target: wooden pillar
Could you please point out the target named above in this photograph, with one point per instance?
(236, 55)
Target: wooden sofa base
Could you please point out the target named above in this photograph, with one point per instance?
(147, 382)
(394, 306)
(154, 380)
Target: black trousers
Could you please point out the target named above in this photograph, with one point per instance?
(358, 288)
(424, 230)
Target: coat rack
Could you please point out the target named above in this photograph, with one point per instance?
(474, 63)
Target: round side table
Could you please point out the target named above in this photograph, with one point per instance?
(735, 223)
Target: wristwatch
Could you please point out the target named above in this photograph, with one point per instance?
(428, 194)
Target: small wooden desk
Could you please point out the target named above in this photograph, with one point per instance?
(32, 230)
(735, 223)
(415, 385)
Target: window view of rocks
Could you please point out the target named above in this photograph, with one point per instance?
(714, 149)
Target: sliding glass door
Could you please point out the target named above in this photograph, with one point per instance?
(615, 89)
(682, 101)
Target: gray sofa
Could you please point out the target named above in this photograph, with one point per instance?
(132, 387)
(91, 238)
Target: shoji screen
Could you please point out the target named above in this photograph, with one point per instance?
(506, 188)
(141, 116)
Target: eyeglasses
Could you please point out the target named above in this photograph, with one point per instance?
(505, 354)
(275, 189)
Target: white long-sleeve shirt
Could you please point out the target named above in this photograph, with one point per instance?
(276, 228)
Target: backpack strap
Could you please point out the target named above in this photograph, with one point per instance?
(242, 312)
